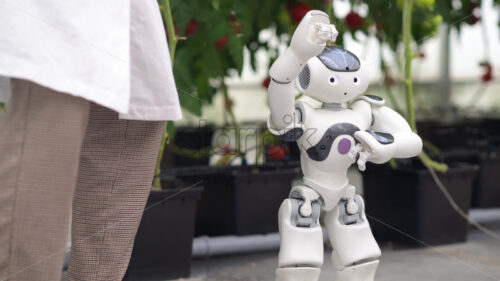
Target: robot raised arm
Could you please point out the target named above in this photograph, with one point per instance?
(389, 136)
(308, 40)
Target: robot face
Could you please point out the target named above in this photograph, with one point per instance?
(334, 76)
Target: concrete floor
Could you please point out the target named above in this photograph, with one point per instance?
(476, 260)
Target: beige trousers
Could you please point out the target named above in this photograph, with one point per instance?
(60, 153)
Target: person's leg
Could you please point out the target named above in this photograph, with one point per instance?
(116, 172)
(40, 141)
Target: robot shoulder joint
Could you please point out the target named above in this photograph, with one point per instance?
(372, 99)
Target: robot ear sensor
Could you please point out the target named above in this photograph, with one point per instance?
(303, 79)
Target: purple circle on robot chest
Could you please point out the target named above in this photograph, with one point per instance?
(344, 146)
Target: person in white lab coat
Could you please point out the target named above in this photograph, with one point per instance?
(92, 86)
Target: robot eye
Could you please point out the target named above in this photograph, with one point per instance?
(333, 80)
(356, 80)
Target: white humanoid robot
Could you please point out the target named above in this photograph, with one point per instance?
(331, 139)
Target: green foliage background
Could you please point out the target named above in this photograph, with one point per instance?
(200, 64)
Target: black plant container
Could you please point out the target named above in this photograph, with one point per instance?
(188, 140)
(485, 193)
(238, 200)
(163, 245)
(407, 199)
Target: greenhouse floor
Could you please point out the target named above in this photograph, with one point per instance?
(478, 260)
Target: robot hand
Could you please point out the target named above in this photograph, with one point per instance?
(378, 153)
(364, 156)
(311, 35)
(326, 32)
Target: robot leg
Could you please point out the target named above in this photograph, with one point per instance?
(355, 251)
(301, 249)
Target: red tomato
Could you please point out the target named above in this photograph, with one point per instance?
(266, 82)
(488, 74)
(236, 27)
(191, 28)
(487, 77)
(226, 150)
(472, 20)
(353, 20)
(276, 153)
(298, 11)
(221, 43)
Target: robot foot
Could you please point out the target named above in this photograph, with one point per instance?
(360, 272)
(297, 274)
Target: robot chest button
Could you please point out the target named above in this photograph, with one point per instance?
(344, 146)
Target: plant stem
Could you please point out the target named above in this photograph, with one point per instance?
(169, 21)
(410, 107)
(431, 147)
(388, 88)
(166, 13)
(190, 153)
(428, 162)
(407, 37)
(258, 154)
(228, 106)
(229, 109)
(157, 180)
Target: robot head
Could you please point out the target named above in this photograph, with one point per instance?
(334, 76)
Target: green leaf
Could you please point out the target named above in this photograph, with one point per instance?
(236, 51)
(214, 26)
(208, 62)
(182, 12)
(190, 102)
(203, 87)
(253, 60)
(183, 74)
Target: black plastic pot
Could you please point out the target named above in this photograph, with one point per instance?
(163, 244)
(238, 200)
(490, 127)
(407, 199)
(474, 141)
(188, 140)
(485, 193)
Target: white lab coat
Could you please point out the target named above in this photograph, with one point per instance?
(111, 52)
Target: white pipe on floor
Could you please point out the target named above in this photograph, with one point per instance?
(205, 247)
